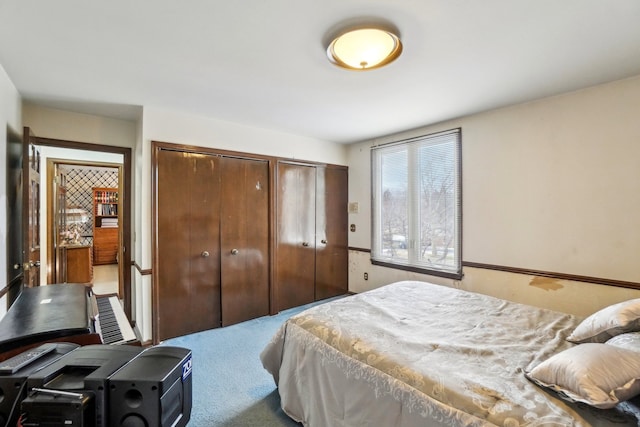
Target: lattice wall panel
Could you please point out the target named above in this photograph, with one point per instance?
(80, 184)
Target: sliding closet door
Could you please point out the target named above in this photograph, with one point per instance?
(244, 239)
(295, 236)
(332, 269)
(188, 267)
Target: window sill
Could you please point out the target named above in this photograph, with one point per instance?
(414, 269)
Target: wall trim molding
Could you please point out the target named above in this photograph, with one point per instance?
(351, 248)
(554, 275)
(540, 273)
(143, 272)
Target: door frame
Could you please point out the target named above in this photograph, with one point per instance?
(15, 218)
(31, 209)
(52, 165)
(126, 186)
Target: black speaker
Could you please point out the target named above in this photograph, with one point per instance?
(13, 387)
(153, 390)
(86, 370)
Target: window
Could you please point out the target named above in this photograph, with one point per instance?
(417, 204)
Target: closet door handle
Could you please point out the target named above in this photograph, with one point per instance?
(234, 252)
(323, 241)
(204, 254)
(305, 244)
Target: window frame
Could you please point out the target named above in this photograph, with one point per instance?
(376, 205)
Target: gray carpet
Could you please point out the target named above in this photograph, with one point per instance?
(230, 386)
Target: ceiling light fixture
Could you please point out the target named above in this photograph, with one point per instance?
(364, 49)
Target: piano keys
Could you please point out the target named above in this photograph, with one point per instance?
(112, 324)
(61, 312)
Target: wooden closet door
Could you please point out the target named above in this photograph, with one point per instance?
(188, 276)
(295, 236)
(244, 239)
(332, 254)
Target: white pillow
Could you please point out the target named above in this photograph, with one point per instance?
(596, 374)
(608, 322)
(629, 341)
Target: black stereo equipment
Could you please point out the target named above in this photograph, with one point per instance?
(153, 390)
(45, 407)
(84, 371)
(13, 382)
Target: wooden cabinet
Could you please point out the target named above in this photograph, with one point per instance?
(311, 237)
(212, 241)
(295, 235)
(332, 240)
(106, 236)
(238, 236)
(78, 265)
(105, 245)
(244, 239)
(187, 267)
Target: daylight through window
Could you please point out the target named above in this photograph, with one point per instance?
(417, 204)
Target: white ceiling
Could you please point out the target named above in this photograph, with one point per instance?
(263, 63)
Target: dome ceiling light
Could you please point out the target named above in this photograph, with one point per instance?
(364, 49)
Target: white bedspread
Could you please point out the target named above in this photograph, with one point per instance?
(417, 354)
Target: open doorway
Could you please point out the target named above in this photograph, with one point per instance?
(84, 224)
(72, 152)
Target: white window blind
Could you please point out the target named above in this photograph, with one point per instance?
(417, 204)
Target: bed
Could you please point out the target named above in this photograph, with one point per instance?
(418, 354)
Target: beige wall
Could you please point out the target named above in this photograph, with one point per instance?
(551, 185)
(566, 296)
(78, 127)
